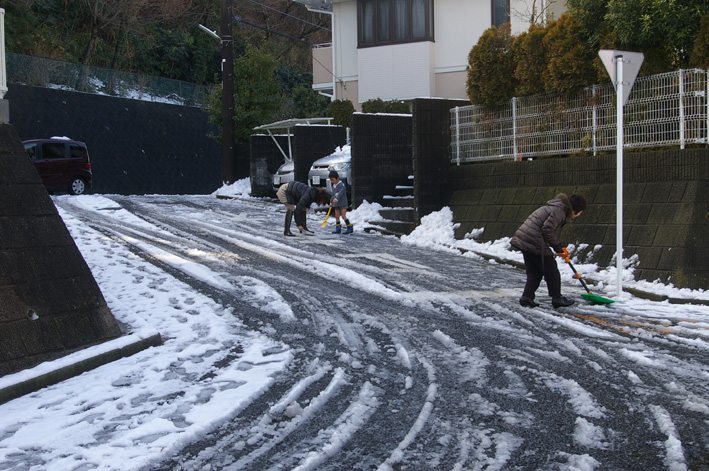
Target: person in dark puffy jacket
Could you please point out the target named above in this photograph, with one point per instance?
(536, 237)
(297, 198)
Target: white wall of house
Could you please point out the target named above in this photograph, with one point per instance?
(345, 42)
(458, 25)
(423, 69)
(521, 12)
(400, 72)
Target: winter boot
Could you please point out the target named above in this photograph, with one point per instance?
(289, 218)
(349, 229)
(305, 221)
(561, 302)
(527, 302)
(338, 229)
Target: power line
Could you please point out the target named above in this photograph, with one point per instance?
(338, 79)
(268, 30)
(291, 16)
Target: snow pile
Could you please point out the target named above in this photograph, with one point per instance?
(240, 188)
(437, 232)
(366, 213)
(344, 151)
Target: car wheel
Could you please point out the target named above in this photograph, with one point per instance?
(77, 186)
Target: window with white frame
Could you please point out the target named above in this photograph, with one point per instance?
(500, 12)
(383, 22)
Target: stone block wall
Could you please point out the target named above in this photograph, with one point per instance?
(313, 142)
(136, 147)
(666, 206)
(50, 304)
(265, 157)
(381, 155)
(431, 153)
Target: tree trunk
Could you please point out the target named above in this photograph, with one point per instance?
(81, 81)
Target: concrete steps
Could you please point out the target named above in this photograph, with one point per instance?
(398, 212)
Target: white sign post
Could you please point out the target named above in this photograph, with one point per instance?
(4, 104)
(3, 75)
(623, 68)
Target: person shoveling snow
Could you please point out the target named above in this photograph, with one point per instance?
(535, 237)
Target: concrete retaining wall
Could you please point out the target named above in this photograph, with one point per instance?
(666, 206)
(50, 304)
(381, 155)
(431, 153)
(136, 147)
(314, 142)
(265, 158)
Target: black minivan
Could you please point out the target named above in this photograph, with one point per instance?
(63, 164)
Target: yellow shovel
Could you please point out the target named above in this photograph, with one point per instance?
(326, 216)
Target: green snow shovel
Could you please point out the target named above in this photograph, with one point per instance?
(588, 296)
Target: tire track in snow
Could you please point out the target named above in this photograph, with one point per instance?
(538, 359)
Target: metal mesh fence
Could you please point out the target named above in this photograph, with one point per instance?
(49, 73)
(669, 109)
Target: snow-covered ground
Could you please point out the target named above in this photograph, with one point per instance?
(142, 410)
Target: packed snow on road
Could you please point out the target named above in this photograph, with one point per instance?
(356, 352)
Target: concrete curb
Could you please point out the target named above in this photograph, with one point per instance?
(268, 199)
(53, 377)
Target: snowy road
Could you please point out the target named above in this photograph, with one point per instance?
(397, 357)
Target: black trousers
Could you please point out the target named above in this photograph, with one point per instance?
(538, 267)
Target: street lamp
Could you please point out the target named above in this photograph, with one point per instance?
(210, 32)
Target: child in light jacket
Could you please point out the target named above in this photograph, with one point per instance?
(339, 203)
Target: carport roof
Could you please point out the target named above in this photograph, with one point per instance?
(288, 125)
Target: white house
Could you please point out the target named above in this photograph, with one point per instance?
(405, 49)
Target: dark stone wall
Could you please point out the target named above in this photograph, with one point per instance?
(666, 198)
(666, 206)
(242, 167)
(136, 147)
(50, 304)
(314, 142)
(432, 153)
(265, 158)
(381, 155)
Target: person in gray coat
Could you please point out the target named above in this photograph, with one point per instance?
(537, 237)
(297, 198)
(339, 203)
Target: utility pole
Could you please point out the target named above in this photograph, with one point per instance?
(228, 163)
